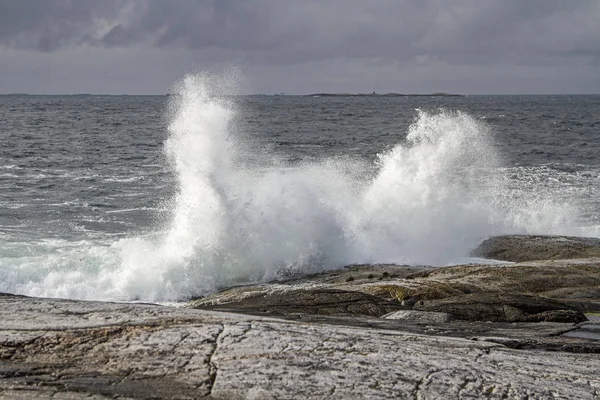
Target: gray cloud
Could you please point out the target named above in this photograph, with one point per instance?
(51, 25)
(389, 36)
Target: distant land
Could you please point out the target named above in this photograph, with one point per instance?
(276, 94)
(440, 94)
(437, 94)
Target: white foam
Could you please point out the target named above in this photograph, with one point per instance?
(127, 210)
(125, 179)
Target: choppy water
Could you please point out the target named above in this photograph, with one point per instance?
(164, 198)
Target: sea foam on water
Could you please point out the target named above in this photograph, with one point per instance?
(236, 218)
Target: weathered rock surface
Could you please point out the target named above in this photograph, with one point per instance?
(573, 282)
(556, 291)
(586, 330)
(429, 317)
(313, 301)
(502, 307)
(68, 350)
(520, 248)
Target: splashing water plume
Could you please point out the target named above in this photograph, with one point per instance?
(430, 200)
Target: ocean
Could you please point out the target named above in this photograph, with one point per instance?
(165, 198)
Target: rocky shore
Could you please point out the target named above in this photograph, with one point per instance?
(524, 329)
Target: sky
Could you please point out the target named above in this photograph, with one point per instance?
(302, 46)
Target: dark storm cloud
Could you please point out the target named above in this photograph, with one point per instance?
(409, 35)
(53, 24)
(314, 29)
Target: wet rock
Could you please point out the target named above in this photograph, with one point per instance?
(519, 248)
(308, 301)
(573, 282)
(503, 307)
(586, 330)
(335, 279)
(409, 292)
(360, 273)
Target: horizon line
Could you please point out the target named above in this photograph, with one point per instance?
(282, 94)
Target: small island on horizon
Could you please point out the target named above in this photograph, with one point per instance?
(437, 94)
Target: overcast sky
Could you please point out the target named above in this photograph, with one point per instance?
(302, 46)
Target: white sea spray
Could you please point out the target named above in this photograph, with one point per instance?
(239, 216)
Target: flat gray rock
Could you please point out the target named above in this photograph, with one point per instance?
(502, 307)
(324, 301)
(519, 248)
(67, 349)
(586, 330)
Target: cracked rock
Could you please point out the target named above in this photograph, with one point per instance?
(169, 353)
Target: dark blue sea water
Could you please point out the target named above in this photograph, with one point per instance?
(163, 198)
